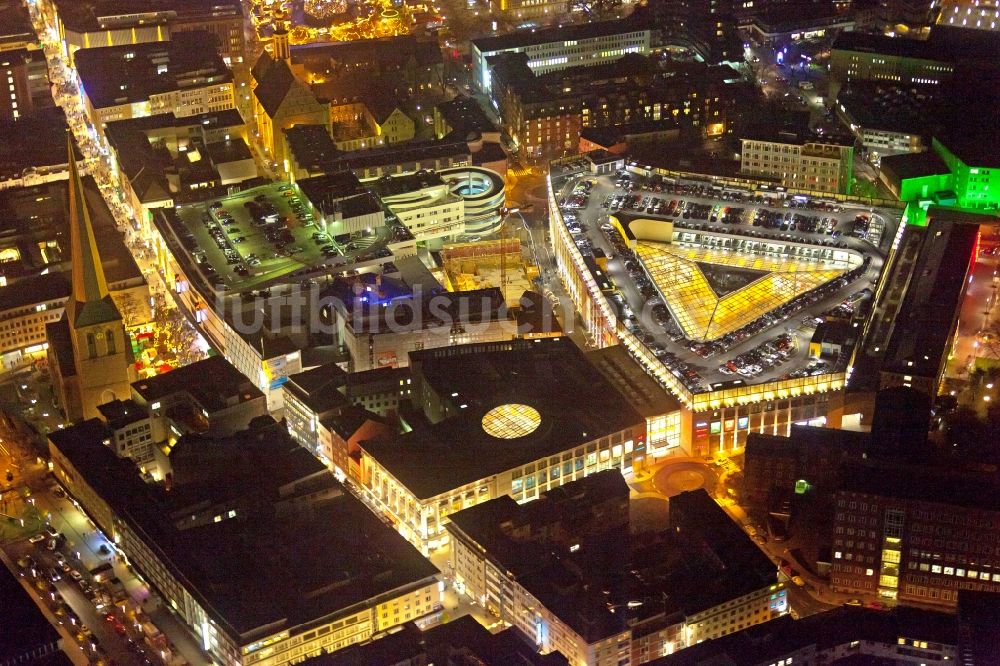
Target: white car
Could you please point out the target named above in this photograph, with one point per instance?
(36, 538)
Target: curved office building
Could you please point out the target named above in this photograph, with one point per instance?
(483, 191)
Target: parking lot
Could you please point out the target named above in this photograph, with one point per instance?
(769, 334)
(247, 241)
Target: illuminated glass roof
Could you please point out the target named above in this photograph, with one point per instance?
(703, 315)
(511, 421)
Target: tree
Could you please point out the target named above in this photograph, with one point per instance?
(127, 307)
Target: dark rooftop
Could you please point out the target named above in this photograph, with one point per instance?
(924, 323)
(213, 382)
(120, 413)
(779, 638)
(23, 627)
(15, 24)
(34, 290)
(315, 151)
(888, 107)
(91, 15)
(129, 74)
(388, 186)
(32, 217)
(914, 165)
(311, 569)
(526, 38)
(378, 53)
(945, 44)
(319, 388)
(549, 375)
(640, 390)
(465, 117)
(588, 569)
(36, 141)
(921, 486)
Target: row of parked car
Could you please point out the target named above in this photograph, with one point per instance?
(765, 356)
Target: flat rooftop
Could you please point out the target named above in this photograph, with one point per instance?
(914, 165)
(921, 486)
(547, 375)
(676, 573)
(890, 108)
(264, 570)
(15, 23)
(642, 391)
(213, 382)
(23, 627)
(129, 74)
(34, 142)
(465, 116)
(924, 323)
(764, 643)
(30, 216)
(526, 38)
(92, 15)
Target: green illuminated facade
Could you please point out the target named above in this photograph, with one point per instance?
(975, 187)
(922, 180)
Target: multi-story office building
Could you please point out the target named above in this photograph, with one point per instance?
(423, 203)
(185, 76)
(84, 24)
(404, 66)
(340, 576)
(26, 635)
(556, 49)
(502, 418)
(544, 114)
(908, 336)
(565, 570)
(208, 397)
(798, 158)
(946, 54)
(915, 537)
(775, 467)
(327, 408)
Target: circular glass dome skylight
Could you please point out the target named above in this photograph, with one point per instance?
(511, 421)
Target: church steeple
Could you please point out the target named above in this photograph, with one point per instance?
(88, 274)
(91, 301)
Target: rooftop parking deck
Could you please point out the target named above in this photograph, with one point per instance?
(792, 261)
(257, 237)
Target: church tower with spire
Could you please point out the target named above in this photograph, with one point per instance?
(89, 353)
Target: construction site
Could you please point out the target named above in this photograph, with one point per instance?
(484, 264)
